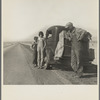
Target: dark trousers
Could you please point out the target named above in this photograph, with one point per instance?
(35, 57)
(76, 61)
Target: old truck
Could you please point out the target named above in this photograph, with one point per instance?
(52, 38)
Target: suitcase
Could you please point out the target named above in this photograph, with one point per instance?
(91, 54)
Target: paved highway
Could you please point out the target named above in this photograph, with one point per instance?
(18, 69)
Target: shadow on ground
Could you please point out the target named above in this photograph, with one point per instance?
(90, 70)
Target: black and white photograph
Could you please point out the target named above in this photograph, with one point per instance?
(50, 50)
(48, 42)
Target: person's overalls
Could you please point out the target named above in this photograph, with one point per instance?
(40, 49)
(76, 55)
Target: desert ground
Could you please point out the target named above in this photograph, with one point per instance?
(18, 68)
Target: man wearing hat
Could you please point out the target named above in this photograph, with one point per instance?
(78, 38)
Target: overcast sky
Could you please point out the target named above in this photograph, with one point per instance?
(24, 18)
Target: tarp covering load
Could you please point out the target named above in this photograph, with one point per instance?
(59, 51)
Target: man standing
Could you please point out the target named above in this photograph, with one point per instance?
(77, 36)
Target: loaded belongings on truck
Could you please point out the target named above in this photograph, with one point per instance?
(62, 50)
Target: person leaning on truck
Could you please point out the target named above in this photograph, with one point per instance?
(78, 37)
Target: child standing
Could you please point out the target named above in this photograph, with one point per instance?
(34, 48)
(40, 49)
